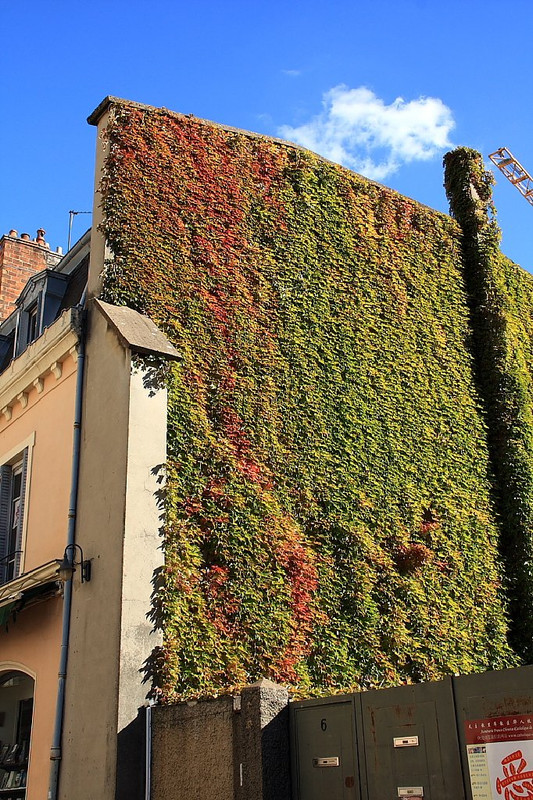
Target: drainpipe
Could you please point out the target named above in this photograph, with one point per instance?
(55, 754)
(148, 752)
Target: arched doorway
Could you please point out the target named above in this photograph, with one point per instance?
(16, 712)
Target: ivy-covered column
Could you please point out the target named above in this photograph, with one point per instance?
(504, 381)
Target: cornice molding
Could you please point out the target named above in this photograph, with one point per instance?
(42, 357)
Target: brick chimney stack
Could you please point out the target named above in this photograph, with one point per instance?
(20, 258)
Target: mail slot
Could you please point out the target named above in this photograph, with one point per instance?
(331, 761)
(405, 741)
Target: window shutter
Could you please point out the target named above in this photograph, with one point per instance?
(20, 526)
(5, 496)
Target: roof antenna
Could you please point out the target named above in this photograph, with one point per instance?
(71, 215)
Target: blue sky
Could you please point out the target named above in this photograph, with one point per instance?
(386, 85)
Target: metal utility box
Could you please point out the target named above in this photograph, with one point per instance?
(463, 738)
(495, 725)
(387, 744)
(324, 750)
(410, 740)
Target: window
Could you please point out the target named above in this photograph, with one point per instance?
(12, 494)
(16, 712)
(33, 324)
(39, 304)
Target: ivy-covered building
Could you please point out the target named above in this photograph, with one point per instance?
(307, 433)
(349, 427)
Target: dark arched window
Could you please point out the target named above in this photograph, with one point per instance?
(16, 712)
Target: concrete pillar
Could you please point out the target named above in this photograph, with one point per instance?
(231, 748)
(192, 750)
(262, 757)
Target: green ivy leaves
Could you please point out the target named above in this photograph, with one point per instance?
(329, 514)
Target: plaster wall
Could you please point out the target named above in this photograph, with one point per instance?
(143, 554)
(91, 700)
(46, 425)
(99, 251)
(123, 452)
(32, 642)
(31, 645)
(142, 559)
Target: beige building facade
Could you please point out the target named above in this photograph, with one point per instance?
(82, 456)
(119, 518)
(37, 393)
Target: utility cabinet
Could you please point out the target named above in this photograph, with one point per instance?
(495, 722)
(324, 748)
(462, 738)
(405, 729)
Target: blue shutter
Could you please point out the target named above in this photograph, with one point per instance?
(20, 526)
(5, 496)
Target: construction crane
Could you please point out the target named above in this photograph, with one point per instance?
(514, 171)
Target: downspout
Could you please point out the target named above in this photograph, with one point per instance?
(55, 753)
(148, 752)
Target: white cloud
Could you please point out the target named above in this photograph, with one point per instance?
(357, 129)
(292, 73)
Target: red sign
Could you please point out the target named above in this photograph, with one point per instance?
(517, 783)
(500, 757)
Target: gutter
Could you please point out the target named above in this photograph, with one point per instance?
(55, 753)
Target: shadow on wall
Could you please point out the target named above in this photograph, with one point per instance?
(131, 749)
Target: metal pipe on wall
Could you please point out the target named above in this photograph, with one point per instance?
(148, 753)
(55, 753)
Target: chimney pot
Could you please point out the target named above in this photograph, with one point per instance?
(40, 236)
(59, 250)
(25, 236)
(13, 232)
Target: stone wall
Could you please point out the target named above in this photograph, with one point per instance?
(231, 748)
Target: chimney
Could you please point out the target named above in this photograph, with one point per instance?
(20, 258)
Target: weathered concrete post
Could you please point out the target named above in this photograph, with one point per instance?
(262, 759)
(193, 751)
(231, 748)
